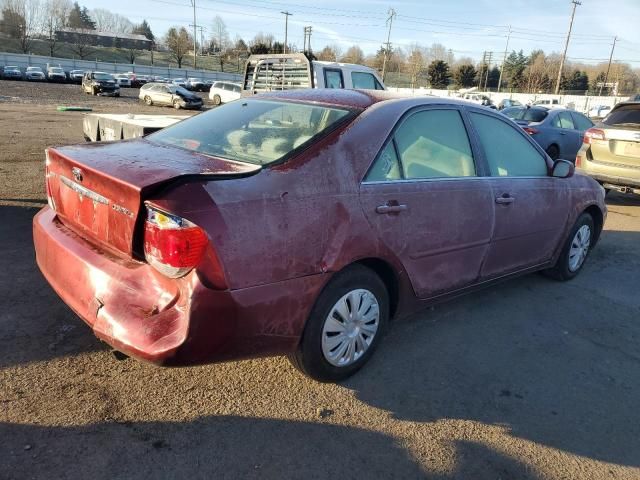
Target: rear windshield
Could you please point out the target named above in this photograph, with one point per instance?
(526, 114)
(253, 131)
(625, 116)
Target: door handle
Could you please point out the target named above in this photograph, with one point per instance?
(390, 208)
(505, 199)
(563, 133)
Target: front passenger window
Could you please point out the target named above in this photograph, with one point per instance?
(508, 152)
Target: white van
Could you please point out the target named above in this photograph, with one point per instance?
(224, 92)
(264, 73)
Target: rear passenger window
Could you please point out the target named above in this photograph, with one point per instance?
(386, 167)
(563, 120)
(508, 152)
(434, 144)
(365, 81)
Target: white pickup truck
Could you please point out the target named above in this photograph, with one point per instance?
(265, 73)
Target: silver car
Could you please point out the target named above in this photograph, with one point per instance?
(611, 150)
(169, 95)
(34, 74)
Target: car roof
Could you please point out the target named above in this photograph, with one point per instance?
(354, 98)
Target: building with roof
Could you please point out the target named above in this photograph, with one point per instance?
(96, 38)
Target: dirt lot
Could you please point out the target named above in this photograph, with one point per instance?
(530, 380)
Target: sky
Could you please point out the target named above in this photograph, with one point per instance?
(468, 27)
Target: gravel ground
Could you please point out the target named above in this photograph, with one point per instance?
(533, 379)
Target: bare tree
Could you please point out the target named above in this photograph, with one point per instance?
(56, 13)
(353, 55)
(178, 42)
(107, 21)
(79, 44)
(22, 19)
(330, 53)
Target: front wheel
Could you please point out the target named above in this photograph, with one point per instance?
(575, 250)
(217, 100)
(147, 100)
(344, 327)
(176, 104)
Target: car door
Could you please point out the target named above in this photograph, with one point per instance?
(161, 94)
(427, 201)
(569, 137)
(531, 207)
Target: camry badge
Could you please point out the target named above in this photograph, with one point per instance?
(77, 174)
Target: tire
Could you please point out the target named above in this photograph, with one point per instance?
(147, 100)
(554, 152)
(566, 268)
(318, 344)
(94, 92)
(176, 104)
(217, 100)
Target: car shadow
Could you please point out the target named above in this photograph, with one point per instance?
(555, 363)
(207, 447)
(622, 199)
(35, 324)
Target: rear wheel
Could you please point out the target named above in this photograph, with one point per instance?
(217, 100)
(147, 100)
(575, 250)
(344, 327)
(554, 152)
(176, 104)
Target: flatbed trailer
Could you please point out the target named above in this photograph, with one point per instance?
(99, 127)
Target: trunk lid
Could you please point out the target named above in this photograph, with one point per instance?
(621, 147)
(98, 189)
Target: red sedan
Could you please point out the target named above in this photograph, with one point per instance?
(300, 223)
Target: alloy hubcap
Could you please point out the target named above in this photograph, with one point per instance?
(350, 327)
(579, 248)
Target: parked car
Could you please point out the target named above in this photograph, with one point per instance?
(100, 83)
(508, 103)
(142, 79)
(169, 95)
(34, 74)
(11, 72)
(194, 84)
(558, 131)
(479, 99)
(207, 85)
(611, 150)
(599, 111)
(224, 92)
(634, 98)
(56, 74)
(75, 76)
(122, 80)
(294, 223)
(547, 102)
(179, 82)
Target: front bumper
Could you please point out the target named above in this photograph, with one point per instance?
(143, 314)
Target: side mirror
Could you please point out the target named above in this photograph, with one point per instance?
(563, 169)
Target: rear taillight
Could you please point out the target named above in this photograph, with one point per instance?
(593, 134)
(47, 181)
(172, 245)
(530, 130)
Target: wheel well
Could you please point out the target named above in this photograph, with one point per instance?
(388, 277)
(598, 219)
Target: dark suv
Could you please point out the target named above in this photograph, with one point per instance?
(100, 83)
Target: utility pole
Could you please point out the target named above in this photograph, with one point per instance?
(566, 45)
(480, 74)
(201, 37)
(606, 77)
(392, 14)
(307, 38)
(286, 26)
(195, 53)
(486, 80)
(504, 59)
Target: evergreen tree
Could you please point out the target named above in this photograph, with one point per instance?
(465, 75)
(144, 29)
(438, 74)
